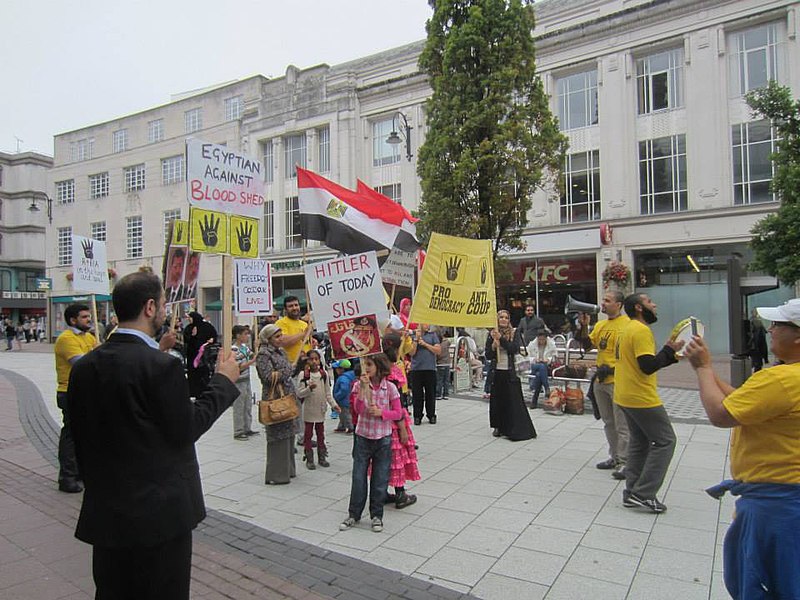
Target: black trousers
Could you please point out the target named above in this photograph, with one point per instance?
(423, 392)
(67, 463)
(159, 572)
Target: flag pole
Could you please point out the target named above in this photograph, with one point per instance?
(227, 308)
(94, 318)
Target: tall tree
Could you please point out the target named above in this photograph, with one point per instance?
(491, 138)
(776, 237)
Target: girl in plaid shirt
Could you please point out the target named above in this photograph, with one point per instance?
(376, 401)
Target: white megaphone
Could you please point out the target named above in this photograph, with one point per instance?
(576, 306)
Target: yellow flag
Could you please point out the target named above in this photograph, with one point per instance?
(180, 232)
(244, 237)
(208, 231)
(456, 287)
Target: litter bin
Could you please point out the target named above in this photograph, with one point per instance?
(740, 369)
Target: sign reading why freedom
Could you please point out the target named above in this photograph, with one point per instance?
(221, 180)
(252, 287)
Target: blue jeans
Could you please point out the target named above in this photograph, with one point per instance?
(539, 371)
(380, 453)
(442, 381)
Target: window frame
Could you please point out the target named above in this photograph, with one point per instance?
(268, 155)
(119, 141)
(292, 221)
(745, 154)
(98, 227)
(65, 191)
(648, 198)
(155, 131)
(588, 88)
(134, 178)
(234, 107)
(64, 246)
(290, 172)
(193, 120)
(268, 239)
(173, 170)
(593, 202)
(99, 185)
(740, 67)
(134, 237)
(674, 78)
(324, 149)
(384, 153)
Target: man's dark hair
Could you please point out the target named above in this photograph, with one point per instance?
(289, 299)
(630, 304)
(237, 329)
(617, 296)
(72, 312)
(132, 292)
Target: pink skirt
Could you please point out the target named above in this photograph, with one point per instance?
(404, 457)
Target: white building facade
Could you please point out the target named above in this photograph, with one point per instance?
(664, 153)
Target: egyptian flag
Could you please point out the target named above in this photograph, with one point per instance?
(407, 236)
(343, 219)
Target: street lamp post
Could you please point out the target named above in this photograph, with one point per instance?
(34, 208)
(401, 131)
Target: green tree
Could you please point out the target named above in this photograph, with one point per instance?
(491, 138)
(776, 237)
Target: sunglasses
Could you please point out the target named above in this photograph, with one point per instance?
(784, 323)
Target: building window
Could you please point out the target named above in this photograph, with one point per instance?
(134, 178)
(293, 239)
(64, 241)
(98, 185)
(659, 80)
(662, 175)
(581, 198)
(754, 56)
(268, 156)
(383, 153)
(193, 120)
(170, 216)
(294, 154)
(155, 130)
(324, 140)
(98, 231)
(391, 191)
(119, 140)
(234, 107)
(82, 149)
(577, 100)
(172, 169)
(269, 225)
(65, 191)
(133, 229)
(753, 169)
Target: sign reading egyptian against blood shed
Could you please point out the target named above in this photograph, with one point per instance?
(222, 180)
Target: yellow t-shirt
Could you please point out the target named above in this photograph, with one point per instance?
(292, 327)
(765, 448)
(604, 337)
(632, 388)
(68, 345)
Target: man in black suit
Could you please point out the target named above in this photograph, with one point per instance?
(135, 428)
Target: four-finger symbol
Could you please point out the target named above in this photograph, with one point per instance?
(453, 265)
(243, 233)
(88, 248)
(208, 231)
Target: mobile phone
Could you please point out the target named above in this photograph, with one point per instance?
(693, 325)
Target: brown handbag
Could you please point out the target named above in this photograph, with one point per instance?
(281, 407)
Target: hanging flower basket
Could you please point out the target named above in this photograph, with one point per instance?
(616, 274)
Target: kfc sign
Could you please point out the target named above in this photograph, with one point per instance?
(564, 271)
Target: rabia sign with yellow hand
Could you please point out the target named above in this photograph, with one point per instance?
(219, 233)
(456, 286)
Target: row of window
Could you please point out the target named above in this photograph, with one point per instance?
(133, 180)
(83, 149)
(660, 78)
(662, 174)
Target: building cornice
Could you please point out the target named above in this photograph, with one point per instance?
(25, 158)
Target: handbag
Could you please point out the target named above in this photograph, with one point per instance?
(573, 404)
(281, 407)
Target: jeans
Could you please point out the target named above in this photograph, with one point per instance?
(442, 381)
(539, 371)
(379, 452)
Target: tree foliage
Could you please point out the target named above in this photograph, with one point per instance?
(491, 138)
(776, 238)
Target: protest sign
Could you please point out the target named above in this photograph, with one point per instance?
(244, 236)
(208, 231)
(456, 286)
(252, 285)
(351, 338)
(222, 180)
(345, 287)
(399, 268)
(89, 266)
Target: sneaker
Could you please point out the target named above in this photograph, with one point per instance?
(651, 504)
(347, 523)
(619, 473)
(606, 464)
(242, 437)
(377, 524)
(626, 499)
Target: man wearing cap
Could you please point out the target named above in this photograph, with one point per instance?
(345, 376)
(764, 539)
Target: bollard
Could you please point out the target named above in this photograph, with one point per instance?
(740, 370)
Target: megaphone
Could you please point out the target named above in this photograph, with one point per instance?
(576, 306)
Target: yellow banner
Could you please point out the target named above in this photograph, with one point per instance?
(456, 287)
(208, 231)
(244, 237)
(180, 232)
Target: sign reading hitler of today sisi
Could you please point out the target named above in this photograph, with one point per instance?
(221, 180)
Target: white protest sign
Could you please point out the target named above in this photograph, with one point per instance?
(252, 285)
(89, 267)
(344, 287)
(399, 268)
(221, 180)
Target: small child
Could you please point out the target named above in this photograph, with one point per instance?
(404, 454)
(315, 392)
(341, 393)
(243, 405)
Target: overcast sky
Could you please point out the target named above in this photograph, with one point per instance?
(66, 65)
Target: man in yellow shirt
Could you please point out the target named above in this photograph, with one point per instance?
(71, 345)
(651, 438)
(296, 331)
(762, 546)
(604, 337)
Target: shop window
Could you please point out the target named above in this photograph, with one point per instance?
(662, 175)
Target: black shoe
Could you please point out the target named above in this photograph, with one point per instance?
(251, 432)
(432, 420)
(651, 504)
(404, 500)
(626, 499)
(496, 432)
(390, 499)
(69, 487)
(417, 421)
(606, 464)
(619, 473)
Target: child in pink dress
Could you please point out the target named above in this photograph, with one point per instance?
(404, 466)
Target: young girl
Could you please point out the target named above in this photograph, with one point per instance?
(377, 403)
(315, 392)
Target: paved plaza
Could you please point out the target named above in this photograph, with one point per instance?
(494, 519)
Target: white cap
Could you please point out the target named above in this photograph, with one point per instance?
(789, 312)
